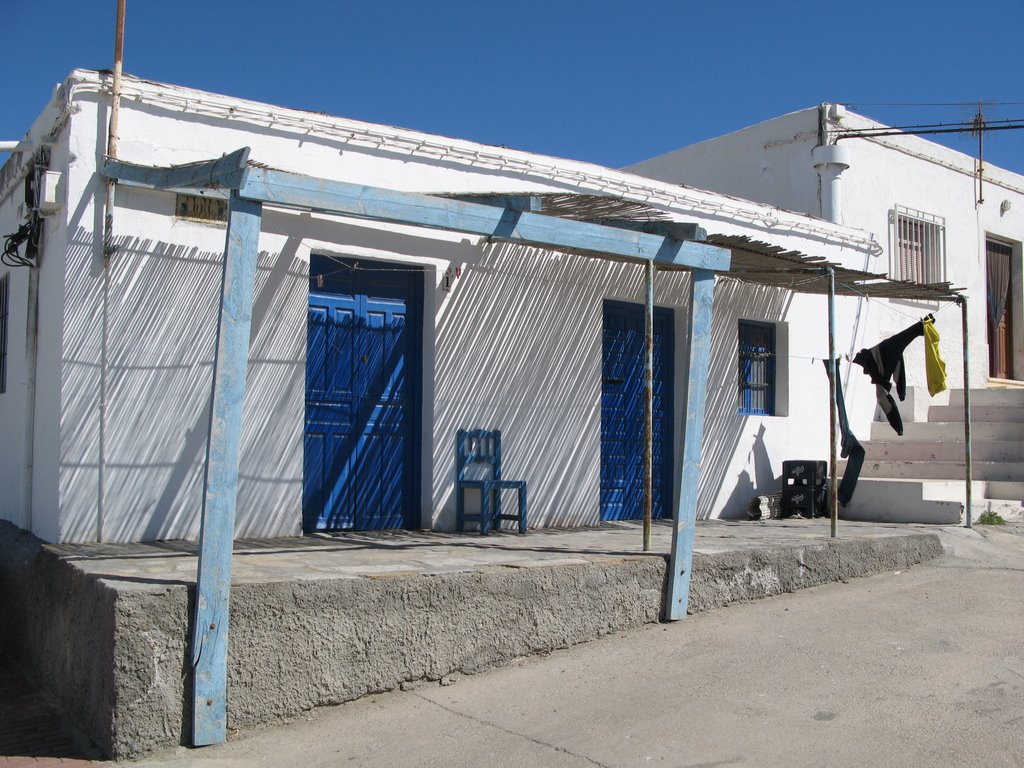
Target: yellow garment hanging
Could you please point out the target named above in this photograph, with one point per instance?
(934, 365)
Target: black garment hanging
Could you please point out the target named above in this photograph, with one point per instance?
(883, 363)
(850, 448)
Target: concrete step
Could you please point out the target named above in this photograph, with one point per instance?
(949, 431)
(998, 489)
(982, 491)
(993, 396)
(926, 501)
(940, 470)
(901, 449)
(979, 413)
(899, 501)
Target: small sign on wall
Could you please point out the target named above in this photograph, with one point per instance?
(449, 277)
(200, 208)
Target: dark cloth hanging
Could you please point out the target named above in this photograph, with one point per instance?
(998, 282)
(889, 409)
(883, 363)
(850, 448)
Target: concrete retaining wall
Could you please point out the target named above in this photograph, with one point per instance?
(113, 652)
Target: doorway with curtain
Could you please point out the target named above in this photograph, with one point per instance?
(1001, 309)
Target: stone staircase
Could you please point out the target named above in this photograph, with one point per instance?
(920, 477)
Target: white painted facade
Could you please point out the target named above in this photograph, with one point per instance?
(775, 162)
(115, 446)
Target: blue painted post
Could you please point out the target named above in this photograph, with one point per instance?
(210, 630)
(677, 592)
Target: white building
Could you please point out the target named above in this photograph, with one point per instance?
(920, 200)
(108, 361)
(937, 216)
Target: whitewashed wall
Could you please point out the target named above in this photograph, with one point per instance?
(122, 406)
(771, 162)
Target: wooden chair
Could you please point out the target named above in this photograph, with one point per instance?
(478, 466)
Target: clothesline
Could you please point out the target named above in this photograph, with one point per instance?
(944, 305)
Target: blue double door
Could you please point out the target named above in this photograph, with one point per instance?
(622, 412)
(361, 446)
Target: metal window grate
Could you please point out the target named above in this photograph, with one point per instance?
(918, 246)
(756, 368)
(4, 304)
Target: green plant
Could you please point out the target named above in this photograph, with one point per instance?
(991, 518)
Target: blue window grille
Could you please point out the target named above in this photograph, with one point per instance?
(756, 368)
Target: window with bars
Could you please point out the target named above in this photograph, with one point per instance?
(918, 246)
(4, 304)
(756, 368)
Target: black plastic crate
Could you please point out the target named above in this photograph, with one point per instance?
(804, 472)
(805, 500)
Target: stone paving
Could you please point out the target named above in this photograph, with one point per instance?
(31, 732)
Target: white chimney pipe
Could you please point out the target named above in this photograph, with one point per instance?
(830, 161)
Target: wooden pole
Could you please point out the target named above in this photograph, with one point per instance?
(113, 129)
(677, 589)
(648, 403)
(833, 371)
(968, 457)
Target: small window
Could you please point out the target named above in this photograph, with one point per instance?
(918, 246)
(757, 368)
(4, 303)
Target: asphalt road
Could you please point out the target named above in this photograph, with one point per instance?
(923, 667)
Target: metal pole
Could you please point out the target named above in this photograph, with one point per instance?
(648, 403)
(968, 458)
(833, 486)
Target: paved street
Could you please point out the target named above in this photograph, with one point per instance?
(918, 668)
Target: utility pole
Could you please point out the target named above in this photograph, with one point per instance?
(979, 128)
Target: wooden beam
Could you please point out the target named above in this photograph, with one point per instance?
(224, 173)
(294, 190)
(677, 592)
(678, 230)
(515, 202)
(220, 484)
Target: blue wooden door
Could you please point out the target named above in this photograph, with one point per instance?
(622, 412)
(362, 386)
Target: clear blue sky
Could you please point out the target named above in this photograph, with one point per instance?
(608, 82)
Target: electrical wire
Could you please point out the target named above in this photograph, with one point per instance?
(30, 233)
(26, 233)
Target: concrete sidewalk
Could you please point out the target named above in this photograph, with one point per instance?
(397, 553)
(330, 618)
(918, 667)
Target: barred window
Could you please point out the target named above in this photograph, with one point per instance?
(757, 368)
(918, 246)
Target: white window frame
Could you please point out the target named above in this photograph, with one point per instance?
(917, 246)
